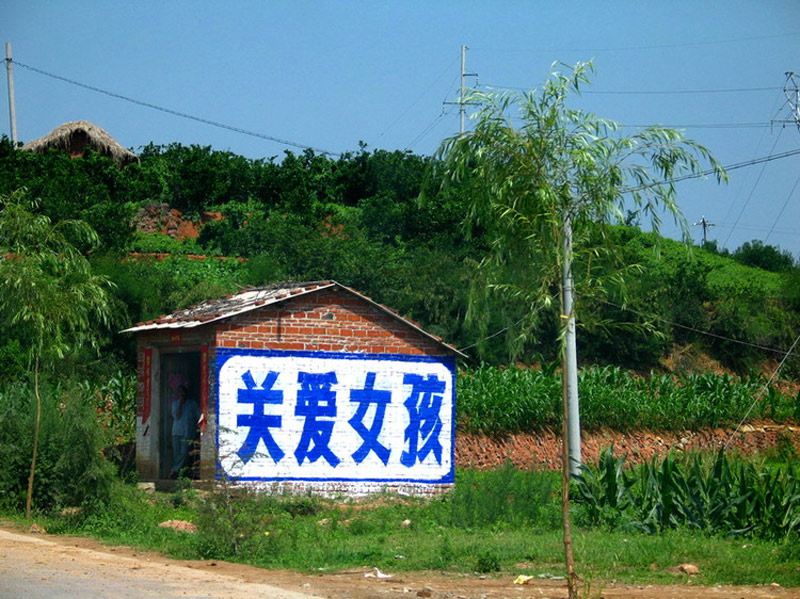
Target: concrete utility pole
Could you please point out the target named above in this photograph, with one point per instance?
(705, 224)
(570, 354)
(12, 111)
(463, 90)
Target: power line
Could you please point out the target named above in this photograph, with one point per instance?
(752, 190)
(777, 218)
(708, 126)
(700, 331)
(428, 129)
(727, 168)
(654, 92)
(647, 47)
(184, 115)
(761, 393)
(419, 97)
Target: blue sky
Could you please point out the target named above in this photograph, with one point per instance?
(331, 74)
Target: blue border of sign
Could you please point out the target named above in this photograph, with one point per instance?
(223, 354)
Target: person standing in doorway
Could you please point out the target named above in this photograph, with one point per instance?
(185, 415)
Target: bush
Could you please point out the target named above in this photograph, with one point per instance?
(71, 470)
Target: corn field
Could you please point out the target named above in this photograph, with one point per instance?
(726, 495)
(496, 401)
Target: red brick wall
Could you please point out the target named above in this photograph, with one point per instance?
(331, 320)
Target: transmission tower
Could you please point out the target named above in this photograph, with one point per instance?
(791, 89)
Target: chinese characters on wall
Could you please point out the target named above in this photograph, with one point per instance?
(314, 416)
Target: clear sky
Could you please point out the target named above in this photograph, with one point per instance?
(331, 74)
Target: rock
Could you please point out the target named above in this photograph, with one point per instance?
(690, 569)
(324, 522)
(425, 592)
(180, 525)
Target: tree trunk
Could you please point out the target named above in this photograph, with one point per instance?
(36, 426)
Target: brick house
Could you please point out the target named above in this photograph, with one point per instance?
(298, 386)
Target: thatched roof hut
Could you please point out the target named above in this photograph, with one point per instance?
(75, 136)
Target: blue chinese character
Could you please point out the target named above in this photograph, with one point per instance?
(423, 405)
(258, 421)
(316, 400)
(366, 396)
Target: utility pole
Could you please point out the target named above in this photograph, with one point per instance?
(12, 111)
(703, 222)
(571, 400)
(463, 90)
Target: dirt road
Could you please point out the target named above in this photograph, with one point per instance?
(44, 566)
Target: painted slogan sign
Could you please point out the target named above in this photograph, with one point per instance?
(334, 416)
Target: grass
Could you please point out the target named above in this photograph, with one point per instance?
(500, 523)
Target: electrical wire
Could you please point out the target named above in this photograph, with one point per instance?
(427, 129)
(654, 92)
(184, 115)
(727, 168)
(700, 331)
(650, 47)
(777, 218)
(495, 334)
(761, 394)
(419, 97)
(752, 191)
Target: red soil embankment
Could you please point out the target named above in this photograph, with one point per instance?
(542, 450)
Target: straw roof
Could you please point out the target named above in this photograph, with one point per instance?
(75, 136)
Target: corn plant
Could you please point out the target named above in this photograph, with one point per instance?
(499, 401)
(726, 496)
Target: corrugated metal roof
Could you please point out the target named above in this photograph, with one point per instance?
(252, 299)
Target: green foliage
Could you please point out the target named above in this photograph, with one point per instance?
(723, 496)
(547, 180)
(498, 498)
(13, 361)
(311, 534)
(497, 401)
(71, 469)
(50, 295)
(114, 401)
(766, 257)
(158, 243)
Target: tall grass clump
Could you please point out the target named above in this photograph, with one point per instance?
(71, 469)
(503, 496)
(724, 495)
(495, 401)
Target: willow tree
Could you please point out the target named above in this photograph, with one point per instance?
(545, 183)
(50, 294)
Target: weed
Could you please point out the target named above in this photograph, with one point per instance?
(487, 561)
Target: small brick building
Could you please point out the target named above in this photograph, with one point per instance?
(299, 386)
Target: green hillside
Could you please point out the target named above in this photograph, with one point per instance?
(382, 222)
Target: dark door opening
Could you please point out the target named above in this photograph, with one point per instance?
(179, 437)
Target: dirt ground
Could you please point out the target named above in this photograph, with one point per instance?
(222, 579)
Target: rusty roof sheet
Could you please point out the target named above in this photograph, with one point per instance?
(251, 299)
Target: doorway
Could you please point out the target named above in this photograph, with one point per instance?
(179, 438)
